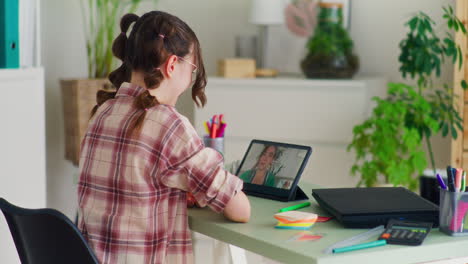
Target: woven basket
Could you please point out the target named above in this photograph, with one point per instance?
(79, 98)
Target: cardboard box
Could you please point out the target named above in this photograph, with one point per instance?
(236, 68)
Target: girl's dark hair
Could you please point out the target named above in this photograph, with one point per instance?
(145, 50)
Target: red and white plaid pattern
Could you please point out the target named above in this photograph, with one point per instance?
(132, 191)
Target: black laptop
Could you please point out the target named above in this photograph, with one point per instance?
(370, 207)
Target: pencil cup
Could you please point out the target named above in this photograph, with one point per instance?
(453, 209)
(214, 143)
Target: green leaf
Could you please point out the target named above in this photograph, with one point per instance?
(428, 26)
(462, 26)
(460, 58)
(412, 23)
(454, 133)
(445, 129)
(464, 85)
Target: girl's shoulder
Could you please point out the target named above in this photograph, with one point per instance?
(169, 117)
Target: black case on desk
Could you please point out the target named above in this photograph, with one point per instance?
(370, 207)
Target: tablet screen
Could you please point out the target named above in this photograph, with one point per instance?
(272, 164)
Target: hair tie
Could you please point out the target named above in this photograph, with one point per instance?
(162, 36)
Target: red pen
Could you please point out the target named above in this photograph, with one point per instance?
(214, 127)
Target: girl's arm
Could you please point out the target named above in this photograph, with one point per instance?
(238, 208)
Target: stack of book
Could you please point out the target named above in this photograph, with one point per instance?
(295, 220)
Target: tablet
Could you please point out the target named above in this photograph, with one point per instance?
(272, 169)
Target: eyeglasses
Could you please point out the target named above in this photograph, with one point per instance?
(195, 67)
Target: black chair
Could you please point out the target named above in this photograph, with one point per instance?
(46, 236)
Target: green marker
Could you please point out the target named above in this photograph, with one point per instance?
(294, 207)
(463, 182)
(361, 246)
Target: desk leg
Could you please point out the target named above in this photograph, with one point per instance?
(237, 255)
(221, 252)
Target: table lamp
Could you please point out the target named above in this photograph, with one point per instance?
(265, 13)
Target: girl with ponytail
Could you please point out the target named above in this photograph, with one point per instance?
(140, 157)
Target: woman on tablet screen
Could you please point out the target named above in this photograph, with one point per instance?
(261, 172)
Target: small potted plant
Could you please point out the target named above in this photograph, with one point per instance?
(330, 49)
(101, 19)
(389, 144)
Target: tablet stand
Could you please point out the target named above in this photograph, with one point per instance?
(298, 195)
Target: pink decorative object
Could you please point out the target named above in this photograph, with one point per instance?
(301, 17)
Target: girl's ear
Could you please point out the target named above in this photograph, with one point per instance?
(169, 66)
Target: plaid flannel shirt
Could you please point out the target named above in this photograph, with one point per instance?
(132, 190)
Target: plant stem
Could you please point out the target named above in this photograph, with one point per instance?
(431, 154)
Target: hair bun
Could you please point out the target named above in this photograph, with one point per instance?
(127, 20)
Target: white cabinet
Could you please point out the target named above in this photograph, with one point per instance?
(22, 147)
(318, 113)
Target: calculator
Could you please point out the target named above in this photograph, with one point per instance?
(409, 233)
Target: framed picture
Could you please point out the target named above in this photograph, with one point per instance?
(272, 169)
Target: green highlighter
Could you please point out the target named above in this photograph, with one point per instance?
(294, 207)
(361, 246)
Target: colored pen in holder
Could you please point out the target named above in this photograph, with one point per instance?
(453, 210)
(215, 127)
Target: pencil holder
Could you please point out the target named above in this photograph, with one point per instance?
(452, 213)
(214, 143)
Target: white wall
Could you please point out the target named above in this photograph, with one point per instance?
(23, 147)
(63, 56)
(376, 28)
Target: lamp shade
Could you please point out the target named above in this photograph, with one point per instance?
(267, 12)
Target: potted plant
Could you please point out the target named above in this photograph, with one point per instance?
(389, 144)
(330, 49)
(100, 20)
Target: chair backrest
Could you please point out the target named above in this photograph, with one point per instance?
(46, 236)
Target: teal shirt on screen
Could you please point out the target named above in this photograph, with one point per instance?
(248, 177)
